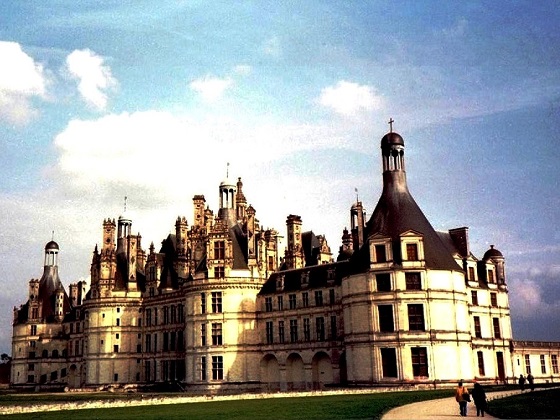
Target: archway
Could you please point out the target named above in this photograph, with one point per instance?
(270, 373)
(322, 370)
(295, 372)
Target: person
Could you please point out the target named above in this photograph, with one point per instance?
(522, 382)
(479, 399)
(531, 381)
(462, 397)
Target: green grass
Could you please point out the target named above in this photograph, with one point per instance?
(351, 406)
(529, 405)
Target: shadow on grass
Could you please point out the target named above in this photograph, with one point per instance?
(528, 405)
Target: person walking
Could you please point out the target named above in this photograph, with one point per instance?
(531, 381)
(479, 399)
(462, 396)
(522, 382)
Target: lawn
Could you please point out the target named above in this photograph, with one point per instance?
(350, 406)
(529, 405)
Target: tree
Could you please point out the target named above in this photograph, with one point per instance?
(5, 358)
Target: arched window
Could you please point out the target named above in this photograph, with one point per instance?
(55, 354)
(45, 353)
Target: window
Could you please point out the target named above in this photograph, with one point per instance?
(493, 300)
(31, 367)
(118, 322)
(202, 334)
(216, 334)
(268, 304)
(331, 297)
(554, 359)
(219, 250)
(480, 358)
(173, 314)
(293, 331)
(380, 254)
(416, 317)
(165, 341)
(320, 328)
(306, 329)
(389, 362)
(280, 303)
(30, 378)
(269, 332)
(474, 297)
(219, 272)
(412, 252)
(270, 263)
(217, 368)
(181, 312)
(318, 298)
(148, 317)
(413, 281)
(496, 323)
(216, 302)
(383, 282)
(117, 336)
(477, 331)
(203, 368)
(116, 348)
(180, 340)
(138, 348)
(471, 274)
(305, 299)
(386, 323)
(155, 316)
(527, 364)
(281, 331)
(334, 329)
(203, 303)
(148, 343)
(292, 301)
(543, 364)
(419, 361)
(491, 276)
(33, 329)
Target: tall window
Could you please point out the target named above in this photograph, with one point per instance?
(219, 250)
(202, 334)
(293, 330)
(217, 368)
(219, 272)
(413, 281)
(389, 362)
(474, 297)
(148, 343)
(280, 303)
(477, 331)
(148, 317)
(496, 323)
(216, 334)
(386, 323)
(383, 282)
(493, 300)
(203, 303)
(216, 302)
(480, 358)
(181, 312)
(471, 274)
(292, 301)
(165, 315)
(269, 332)
(527, 364)
(554, 359)
(334, 328)
(318, 298)
(33, 329)
(543, 364)
(305, 299)
(491, 276)
(419, 361)
(416, 317)
(320, 328)
(306, 329)
(270, 263)
(268, 304)
(331, 296)
(380, 254)
(156, 316)
(203, 368)
(281, 331)
(412, 252)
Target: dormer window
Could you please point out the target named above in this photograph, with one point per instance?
(331, 276)
(491, 276)
(412, 249)
(412, 252)
(380, 253)
(280, 283)
(305, 279)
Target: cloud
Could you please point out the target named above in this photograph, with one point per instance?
(93, 76)
(272, 47)
(242, 69)
(211, 88)
(458, 29)
(348, 99)
(21, 79)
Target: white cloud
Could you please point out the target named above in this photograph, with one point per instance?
(458, 29)
(21, 79)
(93, 76)
(347, 98)
(272, 47)
(211, 88)
(242, 69)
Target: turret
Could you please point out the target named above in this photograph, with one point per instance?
(294, 250)
(357, 224)
(199, 207)
(240, 201)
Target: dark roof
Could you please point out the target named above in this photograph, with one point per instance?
(240, 247)
(392, 138)
(48, 286)
(311, 247)
(51, 245)
(169, 277)
(492, 252)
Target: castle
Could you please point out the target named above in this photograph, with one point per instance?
(218, 308)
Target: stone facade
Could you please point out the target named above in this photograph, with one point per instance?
(219, 308)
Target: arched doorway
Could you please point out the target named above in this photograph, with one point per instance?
(73, 377)
(295, 372)
(270, 373)
(322, 370)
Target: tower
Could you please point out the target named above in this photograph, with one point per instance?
(294, 250)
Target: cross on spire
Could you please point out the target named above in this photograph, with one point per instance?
(391, 121)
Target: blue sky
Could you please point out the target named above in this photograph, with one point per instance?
(101, 100)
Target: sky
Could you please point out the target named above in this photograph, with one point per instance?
(153, 100)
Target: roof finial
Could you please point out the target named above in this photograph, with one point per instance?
(52, 236)
(125, 197)
(391, 121)
(227, 171)
(356, 191)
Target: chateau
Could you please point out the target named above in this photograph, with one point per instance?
(218, 307)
